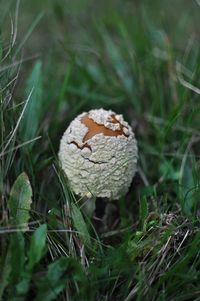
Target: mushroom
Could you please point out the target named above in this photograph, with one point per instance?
(98, 153)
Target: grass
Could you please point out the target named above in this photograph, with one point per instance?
(138, 58)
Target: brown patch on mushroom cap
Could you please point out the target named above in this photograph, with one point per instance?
(95, 128)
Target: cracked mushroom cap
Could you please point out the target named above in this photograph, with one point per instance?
(98, 153)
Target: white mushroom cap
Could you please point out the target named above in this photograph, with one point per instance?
(98, 153)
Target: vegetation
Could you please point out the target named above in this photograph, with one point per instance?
(138, 58)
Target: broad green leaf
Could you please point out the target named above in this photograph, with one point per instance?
(20, 200)
(36, 251)
(54, 282)
(37, 246)
(13, 265)
(80, 225)
(17, 257)
(22, 287)
(5, 273)
(17, 261)
(58, 275)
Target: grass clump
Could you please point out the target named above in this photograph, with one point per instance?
(56, 61)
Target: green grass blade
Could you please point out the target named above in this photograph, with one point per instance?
(80, 225)
(33, 113)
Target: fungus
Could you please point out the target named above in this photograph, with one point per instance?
(98, 153)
